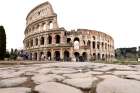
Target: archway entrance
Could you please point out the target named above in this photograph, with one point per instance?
(76, 54)
(35, 56)
(84, 55)
(48, 55)
(57, 56)
(57, 37)
(49, 39)
(66, 55)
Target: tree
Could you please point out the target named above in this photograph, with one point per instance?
(2, 43)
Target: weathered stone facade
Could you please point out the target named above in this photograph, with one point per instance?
(44, 40)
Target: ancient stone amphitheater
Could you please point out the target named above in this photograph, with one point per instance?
(45, 40)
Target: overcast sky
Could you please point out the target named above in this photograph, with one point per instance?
(118, 18)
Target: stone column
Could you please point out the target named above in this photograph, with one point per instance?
(52, 55)
(38, 56)
(53, 38)
(61, 54)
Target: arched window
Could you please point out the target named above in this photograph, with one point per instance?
(42, 41)
(76, 39)
(36, 41)
(88, 43)
(84, 42)
(98, 56)
(49, 39)
(31, 42)
(57, 55)
(68, 40)
(93, 37)
(50, 25)
(98, 45)
(93, 45)
(57, 38)
(66, 55)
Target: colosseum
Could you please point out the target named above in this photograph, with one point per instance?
(45, 40)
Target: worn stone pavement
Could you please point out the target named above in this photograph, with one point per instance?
(70, 77)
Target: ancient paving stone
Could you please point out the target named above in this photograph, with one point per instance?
(94, 73)
(107, 76)
(83, 83)
(136, 77)
(125, 73)
(15, 90)
(40, 78)
(118, 85)
(124, 68)
(10, 82)
(77, 75)
(104, 69)
(63, 71)
(53, 87)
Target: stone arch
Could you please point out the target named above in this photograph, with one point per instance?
(94, 56)
(57, 39)
(36, 41)
(103, 57)
(35, 56)
(98, 45)
(93, 37)
(84, 42)
(57, 55)
(88, 43)
(93, 44)
(66, 55)
(84, 55)
(98, 56)
(49, 39)
(77, 39)
(50, 25)
(31, 42)
(42, 41)
(77, 55)
(68, 40)
(49, 55)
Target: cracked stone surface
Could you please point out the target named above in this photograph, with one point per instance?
(70, 77)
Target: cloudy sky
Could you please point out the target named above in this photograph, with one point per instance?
(118, 18)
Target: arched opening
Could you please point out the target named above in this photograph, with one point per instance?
(49, 39)
(68, 40)
(98, 45)
(76, 43)
(44, 26)
(36, 41)
(30, 56)
(93, 44)
(50, 25)
(31, 43)
(76, 54)
(49, 55)
(42, 41)
(103, 57)
(41, 55)
(102, 45)
(84, 55)
(66, 55)
(98, 56)
(76, 39)
(88, 43)
(94, 56)
(57, 55)
(57, 38)
(93, 37)
(84, 42)
(35, 56)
